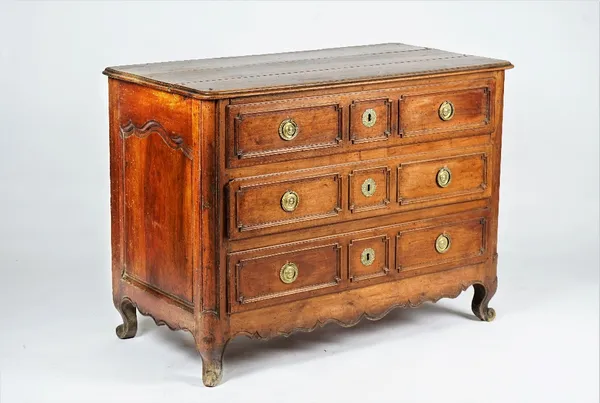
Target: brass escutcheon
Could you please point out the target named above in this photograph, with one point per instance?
(369, 117)
(442, 243)
(368, 187)
(288, 129)
(446, 110)
(288, 273)
(367, 257)
(443, 177)
(289, 201)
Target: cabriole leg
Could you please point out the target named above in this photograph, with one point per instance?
(128, 312)
(481, 298)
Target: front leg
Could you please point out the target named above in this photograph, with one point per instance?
(212, 364)
(481, 298)
(128, 312)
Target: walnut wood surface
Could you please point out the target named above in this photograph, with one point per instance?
(198, 232)
(249, 74)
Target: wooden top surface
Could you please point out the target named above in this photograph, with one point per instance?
(246, 75)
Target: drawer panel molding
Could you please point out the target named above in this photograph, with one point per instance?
(271, 204)
(435, 245)
(370, 120)
(447, 111)
(262, 277)
(295, 130)
(437, 179)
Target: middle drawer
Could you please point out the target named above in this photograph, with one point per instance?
(286, 201)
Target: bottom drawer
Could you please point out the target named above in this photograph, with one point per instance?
(261, 275)
(439, 244)
(275, 274)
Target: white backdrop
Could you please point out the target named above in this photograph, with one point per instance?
(57, 341)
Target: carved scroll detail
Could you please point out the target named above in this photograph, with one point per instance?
(409, 303)
(174, 141)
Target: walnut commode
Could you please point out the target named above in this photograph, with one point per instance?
(263, 195)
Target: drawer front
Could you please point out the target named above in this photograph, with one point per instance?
(295, 200)
(431, 246)
(370, 120)
(256, 134)
(368, 258)
(284, 202)
(276, 271)
(259, 278)
(369, 189)
(451, 111)
(424, 181)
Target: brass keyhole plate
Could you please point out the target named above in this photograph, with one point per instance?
(446, 110)
(369, 117)
(288, 129)
(367, 257)
(442, 243)
(288, 273)
(368, 187)
(290, 201)
(443, 177)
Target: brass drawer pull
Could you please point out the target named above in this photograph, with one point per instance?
(368, 187)
(442, 243)
(288, 273)
(367, 257)
(369, 117)
(446, 110)
(288, 130)
(290, 201)
(443, 177)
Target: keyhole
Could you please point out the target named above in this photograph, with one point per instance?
(369, 117)
(368, 187)
(368, 257)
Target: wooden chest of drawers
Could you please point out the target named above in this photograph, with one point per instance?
(263, 195)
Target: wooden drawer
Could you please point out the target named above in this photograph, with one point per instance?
(257, 205)
(298, 127)
(368, 258)
(264, 276)
(465, 110)
(440, 244)
(370, 120)
(439, 179)
(369, 189)
(344, 193)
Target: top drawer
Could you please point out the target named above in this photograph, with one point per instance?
(423, 112)
(291, 129)
(259, 131)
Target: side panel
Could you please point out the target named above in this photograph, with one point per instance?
(152, 141)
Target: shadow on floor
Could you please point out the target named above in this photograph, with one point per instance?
(244, 355)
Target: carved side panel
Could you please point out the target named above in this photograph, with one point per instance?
(157, 158)
(173, 140)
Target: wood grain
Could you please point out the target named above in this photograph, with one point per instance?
(198, 170)
(285, 71)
